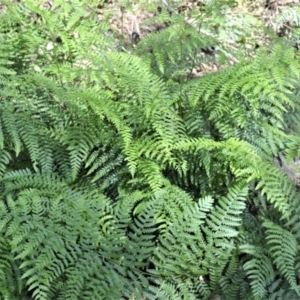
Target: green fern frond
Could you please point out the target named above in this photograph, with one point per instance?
(282, 242)
(261, 272)
(226, 216)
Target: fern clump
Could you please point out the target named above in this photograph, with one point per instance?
(125, 177)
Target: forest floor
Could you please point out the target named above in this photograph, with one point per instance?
(134, 22)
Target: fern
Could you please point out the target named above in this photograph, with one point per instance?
(276, 240)
(261, 273)
(123, 177)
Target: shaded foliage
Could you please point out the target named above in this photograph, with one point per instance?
(123, 178)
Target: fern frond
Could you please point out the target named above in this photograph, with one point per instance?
(261, 272)
(283, 243)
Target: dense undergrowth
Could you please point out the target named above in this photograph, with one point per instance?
(124, 177)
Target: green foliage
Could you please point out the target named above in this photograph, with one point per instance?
(122, 177)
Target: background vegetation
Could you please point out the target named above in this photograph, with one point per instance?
(153, 159)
